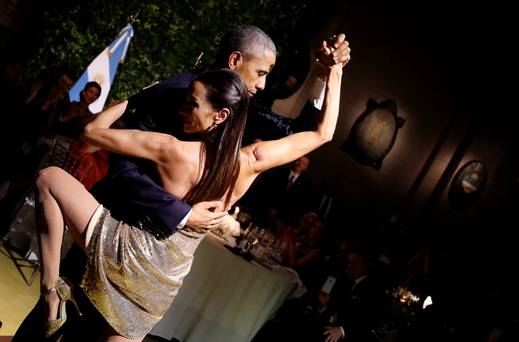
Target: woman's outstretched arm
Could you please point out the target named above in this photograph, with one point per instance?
(130, 142)
(268, 154)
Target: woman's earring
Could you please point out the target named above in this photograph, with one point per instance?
(213, 126)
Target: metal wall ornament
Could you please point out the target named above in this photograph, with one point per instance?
(467, 185)
(374, 133)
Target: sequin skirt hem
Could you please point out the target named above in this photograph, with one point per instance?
(132, 277)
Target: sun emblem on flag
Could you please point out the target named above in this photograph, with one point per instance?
(99, 78)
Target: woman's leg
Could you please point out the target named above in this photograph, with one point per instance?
(61, 199)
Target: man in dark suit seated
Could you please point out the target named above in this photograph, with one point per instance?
(302, 319)
(361, 305)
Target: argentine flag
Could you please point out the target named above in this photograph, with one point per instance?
(102, 69)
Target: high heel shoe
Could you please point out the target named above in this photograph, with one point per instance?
(64, 293)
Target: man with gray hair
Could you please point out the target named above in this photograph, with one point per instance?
(248, 42)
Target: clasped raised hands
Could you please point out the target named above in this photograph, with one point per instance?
(334, 50)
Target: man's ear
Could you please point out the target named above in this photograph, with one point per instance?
(235, 60)
(221, 115)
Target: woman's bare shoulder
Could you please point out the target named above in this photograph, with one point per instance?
(174, 148)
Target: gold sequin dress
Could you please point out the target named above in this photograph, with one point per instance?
(132, 277)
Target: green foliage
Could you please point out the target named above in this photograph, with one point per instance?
(168, 36)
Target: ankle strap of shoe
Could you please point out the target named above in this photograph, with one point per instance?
(48, 291)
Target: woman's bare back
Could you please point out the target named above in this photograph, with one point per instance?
(181, 168)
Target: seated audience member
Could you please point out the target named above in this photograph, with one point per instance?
(44, 100)
(86, 166)
(304, 250)
(361, 306)
(75, 115)
(285, 232)
(302, 319)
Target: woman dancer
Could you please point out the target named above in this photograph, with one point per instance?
(132, 275)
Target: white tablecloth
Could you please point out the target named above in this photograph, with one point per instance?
(224, 298)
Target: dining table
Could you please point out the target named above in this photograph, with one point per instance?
(226, 297)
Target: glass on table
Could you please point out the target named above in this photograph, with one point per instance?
(244, 218)
(249, 237)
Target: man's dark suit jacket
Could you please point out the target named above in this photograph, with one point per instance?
(291, 202)
(360, 310)
(133, 191)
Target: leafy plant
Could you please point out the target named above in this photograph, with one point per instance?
(168, 36)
